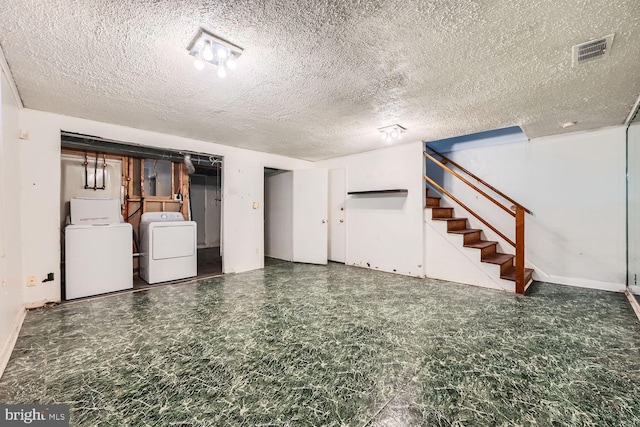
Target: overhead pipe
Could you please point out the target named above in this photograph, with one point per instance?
(86, 171)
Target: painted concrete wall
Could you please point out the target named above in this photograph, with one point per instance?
(11, 279)
(385, 232)
(242, 231)
(278, 220)
(575, 186)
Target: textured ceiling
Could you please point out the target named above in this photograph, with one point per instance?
(318, 77)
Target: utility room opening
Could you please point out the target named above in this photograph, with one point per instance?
(206, 208)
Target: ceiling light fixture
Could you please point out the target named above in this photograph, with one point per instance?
(208, 48)
(199, 64)
(389, 133)
(568, 124)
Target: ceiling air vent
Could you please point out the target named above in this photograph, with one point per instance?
(591, 50)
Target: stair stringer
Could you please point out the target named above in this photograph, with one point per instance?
(447, 259)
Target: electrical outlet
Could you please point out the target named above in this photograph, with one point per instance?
(32, 280)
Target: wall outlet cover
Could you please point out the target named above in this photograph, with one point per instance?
(32, 280)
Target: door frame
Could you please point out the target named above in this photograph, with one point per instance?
(346, 212)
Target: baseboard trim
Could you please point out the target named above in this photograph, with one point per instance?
(409, 274)
(634, 289)
(589, 284)
(577, 282)
(634, 303)
(39, 304)
(5, 355)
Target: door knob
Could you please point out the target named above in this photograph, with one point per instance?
(342, 220)
(324, 220)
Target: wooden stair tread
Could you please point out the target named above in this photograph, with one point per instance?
(497, 258)
(510, 274)
(481, 244)
(432, 202)
(465, 231)
(448, 219)
(440, 212)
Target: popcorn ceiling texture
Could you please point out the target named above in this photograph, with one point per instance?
(317, 78)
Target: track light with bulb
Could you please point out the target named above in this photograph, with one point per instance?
(391, 133)
(208, 48)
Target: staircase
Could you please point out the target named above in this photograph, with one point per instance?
(511, 267)
(472, 238)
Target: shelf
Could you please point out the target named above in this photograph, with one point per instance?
(373, 192)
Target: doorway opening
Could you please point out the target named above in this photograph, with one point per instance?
(133, 224)
(278, 215)
(295, 215)
(206, 210)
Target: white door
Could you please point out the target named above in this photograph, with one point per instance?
(310, 216)
(337, 215)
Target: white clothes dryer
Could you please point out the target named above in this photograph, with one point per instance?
(168, 247)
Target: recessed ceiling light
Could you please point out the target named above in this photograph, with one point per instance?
(568, 124)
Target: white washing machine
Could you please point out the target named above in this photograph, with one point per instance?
(98, 249)
(168, 248)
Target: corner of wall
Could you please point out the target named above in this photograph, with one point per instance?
(4, 65)
(12, 310)
(7, 348)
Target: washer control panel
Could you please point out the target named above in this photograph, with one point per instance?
(162, 216)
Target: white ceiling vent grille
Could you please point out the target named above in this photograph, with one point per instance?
(593, 49)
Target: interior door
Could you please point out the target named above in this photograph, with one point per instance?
(310, 198)
(337, 215)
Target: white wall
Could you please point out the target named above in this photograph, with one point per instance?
(634, 206)
(214, 212)
(206, 209)
(278, 215)
(11, 279)
(198, 202)
(575, 186)
(385, 232)
(242, 232)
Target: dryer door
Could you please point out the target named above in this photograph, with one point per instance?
(173, 240)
